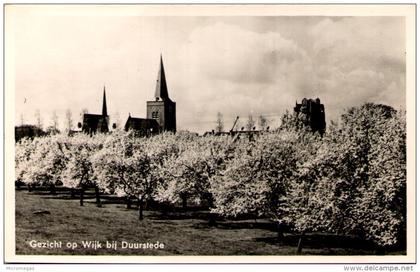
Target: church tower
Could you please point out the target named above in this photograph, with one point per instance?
(104, 121)
(96, 123)
(163, 109)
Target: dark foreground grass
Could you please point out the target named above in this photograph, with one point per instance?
(43, 217)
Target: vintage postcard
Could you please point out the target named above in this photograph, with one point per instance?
(209, 133)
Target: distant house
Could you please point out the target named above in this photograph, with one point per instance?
(237, 134)
(143, 127)
(96, 123)
(28, 131)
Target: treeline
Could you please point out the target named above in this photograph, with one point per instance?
(351, 181)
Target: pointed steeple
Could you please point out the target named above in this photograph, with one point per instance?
(161, 88)
(104, 109)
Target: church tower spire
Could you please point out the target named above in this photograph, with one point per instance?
(162, 109)
(161, 88)
(104, 109)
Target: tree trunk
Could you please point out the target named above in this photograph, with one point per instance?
(280, 234)
(184, 202)
(141, 208)
(164, 209)
(300, 243)
(72, 193)
(128, 200)
(52, 189)
(212, 216)
(212, 219)
(82, 191)
(29, 188)
(98, 197)
(211, 202)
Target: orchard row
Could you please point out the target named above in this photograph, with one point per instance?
(351, 181)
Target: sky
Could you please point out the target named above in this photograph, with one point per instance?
(235, 65)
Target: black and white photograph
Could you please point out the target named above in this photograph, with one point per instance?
(209, 133)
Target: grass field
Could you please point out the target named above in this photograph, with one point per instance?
(44, 217)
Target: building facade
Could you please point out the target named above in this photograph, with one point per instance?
(143, 127)
(28, 131)
(312, 114)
